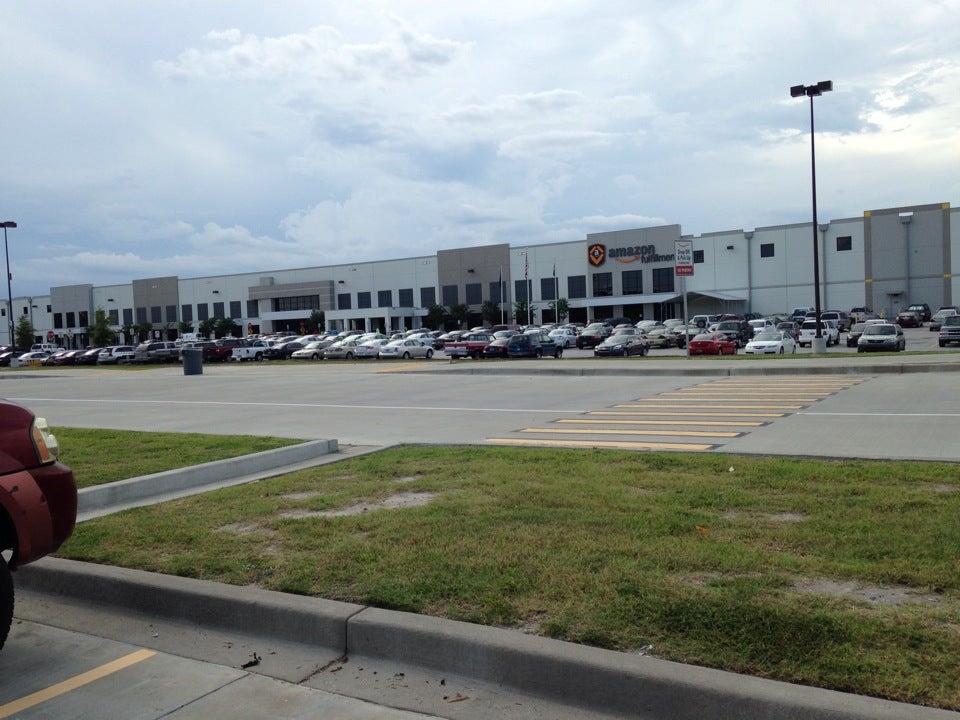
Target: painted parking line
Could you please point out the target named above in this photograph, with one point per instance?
(690, 447)
(671, 413)
(707, 423)
(685, 406)
(62, 688)
(631, 433)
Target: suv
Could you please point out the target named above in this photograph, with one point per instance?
(115, 355)
(156, 351)
(950, 330)
(740, 331)
(808, 331)
(840, 317)
(533, 345)
(861, 314)
(921, 309)
(38, 498)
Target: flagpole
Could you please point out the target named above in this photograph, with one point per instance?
(501, 294)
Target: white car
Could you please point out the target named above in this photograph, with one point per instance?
(828, 329)
(370, 348)
(774, 342)
(564, 337)
(762, 325)
(406, 349)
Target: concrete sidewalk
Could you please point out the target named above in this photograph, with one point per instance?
(583, 678)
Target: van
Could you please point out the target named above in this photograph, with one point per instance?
(45, 347)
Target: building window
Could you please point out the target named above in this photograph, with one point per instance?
(697, 256)
(632, 282)
(343, 301)
(663, 279)
(384, 298)
(766, 250)
(71, 319)
(57, 319)
(474, 293)
(186, 312)
(428, 297)
(203, 312)
(127, 316)
(84, 319)
(602, 284)
(171, 313)
(298, 302)
(520, 290)
(577, 286)
(155, 317)
(114, 316)
(364, 300)
(218, 311)
(495, 288)
(405, 297)
(844, 243)
(235, 309)
(253, 308)
(548, 288)
(451, 296)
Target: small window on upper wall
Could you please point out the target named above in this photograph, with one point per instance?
(766, 250)
(844, 243)
(697, 256)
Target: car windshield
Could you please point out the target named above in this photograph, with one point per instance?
(768, 336)
(880, 330)
(952, 320)
(704, 336)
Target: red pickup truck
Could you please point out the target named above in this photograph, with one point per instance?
(38, 498)
(471, 345)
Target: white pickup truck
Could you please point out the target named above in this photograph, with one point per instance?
(254, 350)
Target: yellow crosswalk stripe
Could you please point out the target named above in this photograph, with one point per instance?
(601, 444)
(708, 423)
(656, 433)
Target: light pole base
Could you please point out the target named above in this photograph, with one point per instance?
(819, 345)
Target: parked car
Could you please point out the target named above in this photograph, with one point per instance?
(761, 325)
(909, 318)
(950, 330)
(828, 330)
(936, 319)
(921, 309)
(406, 349)
(115, 355)
(156, 351)
(740, 331)
(774, 342)
(89, 356)
(789, 326)
(38, 498)
(497, 348)
(565, 337)
(882, 336)
(838, 316)
(593, 334)
(370, 348)
(716, 343)
(283, 351)
(861, 314)
(342, 349)
(622, 346)
(533, 345)
(854, 335)
(34, 357)
(313, 350)
(660, 338)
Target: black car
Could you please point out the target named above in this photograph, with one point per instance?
(923, 310)
(622, 346)
(283, 351)
(593, 335)
(854, 334)
(497, 348)
(533, 345)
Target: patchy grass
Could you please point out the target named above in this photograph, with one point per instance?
(767, 566)
(102, 456)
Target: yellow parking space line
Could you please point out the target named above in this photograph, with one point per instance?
(685, 414)
(744, 398)
(61, 688)
(708, 423)
(655, 433)
(601, 444)
(402, 368)
(710, 407)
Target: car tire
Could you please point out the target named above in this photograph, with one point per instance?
(349, 356)
(429, 354)
(720, 350)
(258, 357)
(406, 356)
(626, 353)
(6, 601)
(781, 350)
(559, 353)
(538, 354)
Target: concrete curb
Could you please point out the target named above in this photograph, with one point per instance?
(181, 480)
(576, 675)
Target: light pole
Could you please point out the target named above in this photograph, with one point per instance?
(9, 224)
(811, 91)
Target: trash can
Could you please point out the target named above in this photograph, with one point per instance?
(192, 361)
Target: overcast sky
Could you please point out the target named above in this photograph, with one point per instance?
(191, 138)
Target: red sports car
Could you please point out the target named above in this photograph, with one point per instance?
(713, 344)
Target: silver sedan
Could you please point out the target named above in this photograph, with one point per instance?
(405, 349)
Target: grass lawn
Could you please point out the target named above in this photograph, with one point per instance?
(839, 574)
(102, 456)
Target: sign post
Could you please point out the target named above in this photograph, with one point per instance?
(683, 268)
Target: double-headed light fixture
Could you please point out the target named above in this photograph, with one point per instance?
(812, 91)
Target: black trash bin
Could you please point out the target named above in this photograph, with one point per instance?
(192, 361)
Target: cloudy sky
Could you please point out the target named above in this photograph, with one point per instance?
(205, 137)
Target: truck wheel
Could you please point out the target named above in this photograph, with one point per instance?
(6, 601)
(258, 357)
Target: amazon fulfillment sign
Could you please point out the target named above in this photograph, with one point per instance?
(683, 258)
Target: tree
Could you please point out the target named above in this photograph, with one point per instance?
(460, 312)
(317, 321)
(143, 330)
(520, 308)
(436, 317)
(490, 312)
(100, 333)
(24, 333)
(207, 327)
(227, 327)
(184, 327)
(561, 309)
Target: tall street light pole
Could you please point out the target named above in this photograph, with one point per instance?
(811, 91)
(9, 224)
